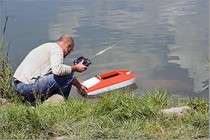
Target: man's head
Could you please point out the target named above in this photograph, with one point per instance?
(66, 43)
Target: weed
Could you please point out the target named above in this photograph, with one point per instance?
(6, 90)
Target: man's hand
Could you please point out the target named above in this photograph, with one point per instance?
(79, 67)
(83, 89)
(79, 86)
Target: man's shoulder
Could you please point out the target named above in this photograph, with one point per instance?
(50, 44)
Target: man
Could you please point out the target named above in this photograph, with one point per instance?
(43, 74)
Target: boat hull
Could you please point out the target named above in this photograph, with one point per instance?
(109, 81)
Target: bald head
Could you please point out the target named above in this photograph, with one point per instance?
(66, 42)
(66, 38)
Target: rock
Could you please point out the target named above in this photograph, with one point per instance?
(55, 99)
(4, 102)
(179, 111)
(61, 138)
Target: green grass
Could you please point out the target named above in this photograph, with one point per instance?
(6, 91)
(113, 116)
(116, 116)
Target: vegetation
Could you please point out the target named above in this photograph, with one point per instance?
(6, 91)
(113, 116)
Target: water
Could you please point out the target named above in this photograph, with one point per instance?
(164, 41)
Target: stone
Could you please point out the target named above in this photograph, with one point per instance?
(4, 102)
(61, 138)
(178, 111)
(55, 99)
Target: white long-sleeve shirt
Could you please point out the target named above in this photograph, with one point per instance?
(43, 60)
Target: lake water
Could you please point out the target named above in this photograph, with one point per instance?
(164, 41)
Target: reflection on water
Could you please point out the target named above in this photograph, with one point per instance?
(163, 41)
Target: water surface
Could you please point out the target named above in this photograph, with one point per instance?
(164, 41)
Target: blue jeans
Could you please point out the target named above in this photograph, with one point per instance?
(45, 87)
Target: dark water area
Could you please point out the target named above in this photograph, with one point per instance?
(164, 41)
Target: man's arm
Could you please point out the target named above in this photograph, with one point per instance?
(78, 85)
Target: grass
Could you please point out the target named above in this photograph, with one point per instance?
(6, 91)
(114, 116)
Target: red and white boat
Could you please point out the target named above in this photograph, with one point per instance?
(109, 81)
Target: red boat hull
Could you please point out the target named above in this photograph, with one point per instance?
(109, 81)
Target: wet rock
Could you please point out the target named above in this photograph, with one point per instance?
(178, 111)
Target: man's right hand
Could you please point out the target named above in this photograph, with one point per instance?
(79, 67)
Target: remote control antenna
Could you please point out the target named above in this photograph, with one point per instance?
(104, 50)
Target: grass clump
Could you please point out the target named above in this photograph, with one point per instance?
(6, 90)
(115, 116)
(22, 122)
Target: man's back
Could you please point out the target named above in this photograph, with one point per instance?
(39, 62)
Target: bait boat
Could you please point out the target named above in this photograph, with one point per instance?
(109, 81)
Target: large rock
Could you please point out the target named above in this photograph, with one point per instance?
(55, 99)
(178, 111)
